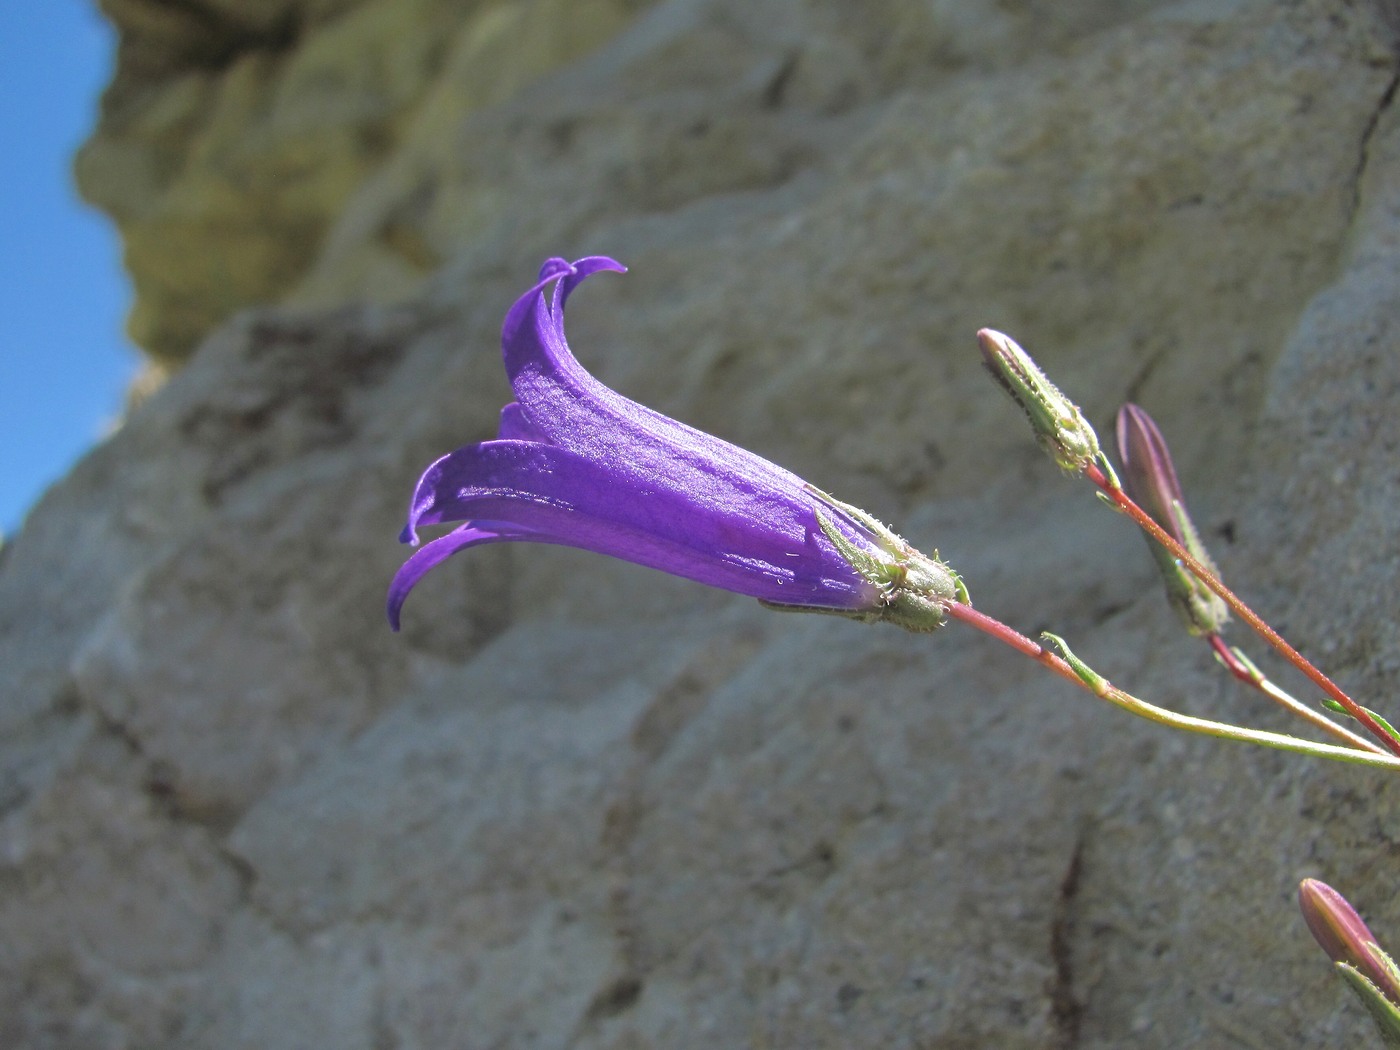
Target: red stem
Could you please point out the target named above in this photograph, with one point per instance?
(1231, 662)
(1254, 678)
(1014, 638)
(1245, 613)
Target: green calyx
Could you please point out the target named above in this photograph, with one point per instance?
(914, 590)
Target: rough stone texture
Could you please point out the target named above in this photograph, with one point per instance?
(577, 804)
(234, 132)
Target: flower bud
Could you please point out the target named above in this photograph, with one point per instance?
(1060, 428)
(1343, 935)
(1362, 962)
(1150, 479)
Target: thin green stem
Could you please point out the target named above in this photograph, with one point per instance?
(1105, 690)
(1244, 670)
(1145, 521)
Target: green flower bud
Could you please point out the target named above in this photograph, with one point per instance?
(1060, 428)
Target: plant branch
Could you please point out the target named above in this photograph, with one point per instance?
(1120, 500)
(1076, 671)
(1243, 669)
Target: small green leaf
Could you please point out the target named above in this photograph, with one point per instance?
(1095, 681)
(1332, 705)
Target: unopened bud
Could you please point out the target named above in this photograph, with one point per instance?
(1150, 479)
(1060, 428)
(1359, 959)
(1342, 934)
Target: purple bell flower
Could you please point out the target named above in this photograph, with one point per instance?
(578, 464)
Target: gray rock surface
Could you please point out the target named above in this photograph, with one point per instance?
(577, 804)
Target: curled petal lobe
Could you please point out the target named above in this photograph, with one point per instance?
(575, 276)
(537, 357)
(420, 505)
(432, 554)
(574, 410)
(516, 425)
(552, 268)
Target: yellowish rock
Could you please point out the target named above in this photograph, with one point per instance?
(225, 159)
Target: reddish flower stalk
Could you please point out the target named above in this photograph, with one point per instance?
(1150, 479)
(1122, 501)
(1062, 431)
(1071, 668)
(1239, 665)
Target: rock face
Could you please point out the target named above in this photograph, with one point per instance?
(577, 804)
(235, 133)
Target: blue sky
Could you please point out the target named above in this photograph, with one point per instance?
(64, 358)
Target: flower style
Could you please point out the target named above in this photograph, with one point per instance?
(578, 464)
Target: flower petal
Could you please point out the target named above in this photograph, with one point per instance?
(763, 545)
(516, 425)
(536, 356)
(580, 465)
(421, 503)
(1148, 472)
(472, 534)
(573, 410)
(579, 270)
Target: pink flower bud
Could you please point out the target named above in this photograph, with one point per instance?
(1344, 937)
(1150, 479)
